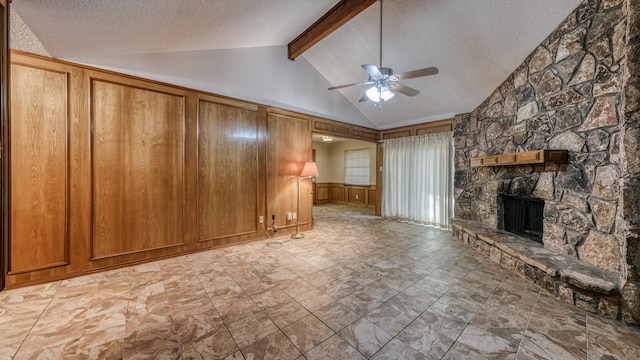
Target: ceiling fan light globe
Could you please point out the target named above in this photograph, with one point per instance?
(373, 94)
(386, 93)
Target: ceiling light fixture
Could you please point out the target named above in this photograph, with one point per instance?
(383, 83)
(380, 92)
(326, 138)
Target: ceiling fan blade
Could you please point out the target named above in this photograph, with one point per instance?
(404, 89)
(372, 70)
(363, 98)
(417, 73)
(347, 85)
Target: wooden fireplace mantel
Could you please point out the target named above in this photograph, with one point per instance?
(547, 157)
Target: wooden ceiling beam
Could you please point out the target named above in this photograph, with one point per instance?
(344, 11)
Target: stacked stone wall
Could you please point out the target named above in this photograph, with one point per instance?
(629, 214)
(578, 90)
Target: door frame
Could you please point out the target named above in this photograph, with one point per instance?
(4, 139)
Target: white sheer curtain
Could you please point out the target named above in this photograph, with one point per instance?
(418, 179)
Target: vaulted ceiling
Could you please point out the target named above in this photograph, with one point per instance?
(238, 48)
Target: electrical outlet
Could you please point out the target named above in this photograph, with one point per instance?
(289, 216)
(356, 196)
(295, 215)
(261, 219)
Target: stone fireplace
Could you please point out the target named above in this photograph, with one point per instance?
(578, 90)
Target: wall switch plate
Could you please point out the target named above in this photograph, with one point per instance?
(356, 196)
(261, 219)
(295, 215)
(289, 216)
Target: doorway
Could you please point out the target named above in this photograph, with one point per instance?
(347, 169)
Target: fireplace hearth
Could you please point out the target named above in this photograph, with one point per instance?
(522, 216)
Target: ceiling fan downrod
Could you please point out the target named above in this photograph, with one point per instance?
(380, 65)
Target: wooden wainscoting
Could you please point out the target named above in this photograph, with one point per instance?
(345, 194)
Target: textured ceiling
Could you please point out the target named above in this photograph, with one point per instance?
(476, 44)
(101, 27)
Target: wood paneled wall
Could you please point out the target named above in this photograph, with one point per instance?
(108, 170)
(340, 129)
(227, 169)
(345, 194)
(418, 129)
(4, 126)
(38, 183)
(137, 157)
(288, 148)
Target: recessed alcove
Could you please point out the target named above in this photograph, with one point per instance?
(521, 216)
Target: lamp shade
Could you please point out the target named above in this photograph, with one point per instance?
(310, 170)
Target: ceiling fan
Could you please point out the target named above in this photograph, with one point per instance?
(383, 83)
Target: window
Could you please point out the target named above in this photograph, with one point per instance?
(356, 167)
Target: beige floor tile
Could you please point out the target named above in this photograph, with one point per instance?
(251, 329)
(336, 315)
(388, 289)
(432, 333)
(275, 346)
(307, 333)
(214, 344)
(336, 349)
(365, 337)
(608, 340)
(396, 350)
(296, 287)
(286, 313)
(314, 299)
(240, 308)
(388, 319)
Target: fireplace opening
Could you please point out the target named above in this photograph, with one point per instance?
(522, 216)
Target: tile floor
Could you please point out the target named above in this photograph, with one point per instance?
(356, 287)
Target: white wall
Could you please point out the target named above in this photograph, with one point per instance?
(261, 74)
(323, 161)
(330, 159)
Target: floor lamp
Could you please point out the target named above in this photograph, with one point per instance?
(309, 170)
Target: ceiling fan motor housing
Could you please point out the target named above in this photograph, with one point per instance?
(385, 71)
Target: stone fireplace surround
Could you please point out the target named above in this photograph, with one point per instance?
(578, 90)
(554, 268)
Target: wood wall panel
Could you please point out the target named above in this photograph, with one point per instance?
(288, 148)
(4, 136)
(138, 161)
(38, 181)
(337, 194)
(371, 197)
(349, 194)
(418, 129)
(337, 128)
(356, 195)
(227, 170)
(322, 193)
